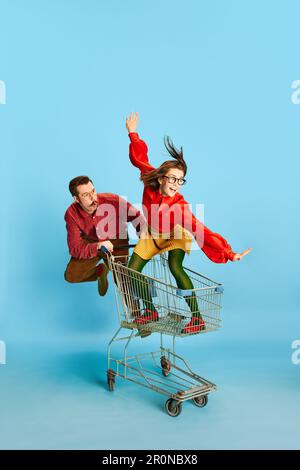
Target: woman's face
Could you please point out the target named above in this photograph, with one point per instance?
(169, 187)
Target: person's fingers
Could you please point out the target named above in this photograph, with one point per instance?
(244, 253)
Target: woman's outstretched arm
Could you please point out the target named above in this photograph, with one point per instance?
(216, 248)
(138, 150)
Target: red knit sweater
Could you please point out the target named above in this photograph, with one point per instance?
(175, 210)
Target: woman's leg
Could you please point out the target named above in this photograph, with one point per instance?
(183, 281)
(139, 283)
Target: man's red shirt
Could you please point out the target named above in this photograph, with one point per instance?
(108, 222)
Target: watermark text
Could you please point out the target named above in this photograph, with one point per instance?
(2, 353)
(295, 96)
(296, 354)
(2, 92)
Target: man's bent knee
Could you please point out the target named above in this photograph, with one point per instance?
(70, 278)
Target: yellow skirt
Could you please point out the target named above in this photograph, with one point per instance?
(154, 243)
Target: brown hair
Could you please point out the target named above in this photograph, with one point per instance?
(77, 182)
(151, 179)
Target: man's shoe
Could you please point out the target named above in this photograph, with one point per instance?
(102, 271)
(194, 326)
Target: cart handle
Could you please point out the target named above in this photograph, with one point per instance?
(105, 250)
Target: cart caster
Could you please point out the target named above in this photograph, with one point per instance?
(173, 407)
(111, 380)
(165, 366)
(201, 401)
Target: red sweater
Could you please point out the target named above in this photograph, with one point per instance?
(175, 209)
(109, 222)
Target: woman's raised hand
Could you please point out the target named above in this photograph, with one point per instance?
(132, 122)
(239, 256)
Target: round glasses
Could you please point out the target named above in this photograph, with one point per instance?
(89, 194)
(173, 180)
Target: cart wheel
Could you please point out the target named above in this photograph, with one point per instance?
(173, 407)
(111, 380)
(201, 401)
(165, 366)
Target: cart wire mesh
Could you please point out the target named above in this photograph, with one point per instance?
(132, 291)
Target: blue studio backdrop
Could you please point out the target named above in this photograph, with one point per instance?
(219, 77)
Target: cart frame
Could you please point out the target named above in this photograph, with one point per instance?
(169, 374)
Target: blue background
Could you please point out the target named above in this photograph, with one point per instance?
(216, 76)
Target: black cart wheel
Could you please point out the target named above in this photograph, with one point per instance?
(201, 401)
(111, 380)
(173, 407)
(165, 366)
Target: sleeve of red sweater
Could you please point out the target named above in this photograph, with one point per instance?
(77, 247)
(135, 217)
(138, 153)
(216, 248)
(131, 214)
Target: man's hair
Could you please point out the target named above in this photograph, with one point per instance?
(77, 182)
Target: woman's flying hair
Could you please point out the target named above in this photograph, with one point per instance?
(151, 178)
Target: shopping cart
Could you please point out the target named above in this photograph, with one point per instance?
(163, 371)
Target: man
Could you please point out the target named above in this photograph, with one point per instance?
(93, 221)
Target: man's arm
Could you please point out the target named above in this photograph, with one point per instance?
(77, 247)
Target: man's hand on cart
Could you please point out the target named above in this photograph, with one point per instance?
(239, 256)
(132, 122)
(107, 244)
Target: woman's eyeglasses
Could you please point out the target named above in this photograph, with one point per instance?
(173, 180)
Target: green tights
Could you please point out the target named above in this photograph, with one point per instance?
(183, 281)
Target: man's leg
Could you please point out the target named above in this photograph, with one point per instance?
(86, 270)
(82, 270)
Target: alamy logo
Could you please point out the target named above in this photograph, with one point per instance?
(296, 354)
(295, 96)
(2, 92)
(2, 352)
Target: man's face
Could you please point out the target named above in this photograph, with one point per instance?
(87, 197)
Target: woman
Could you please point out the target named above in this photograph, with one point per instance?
(170, 224)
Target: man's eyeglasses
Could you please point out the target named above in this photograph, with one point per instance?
(88, 194)
(173, 180)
